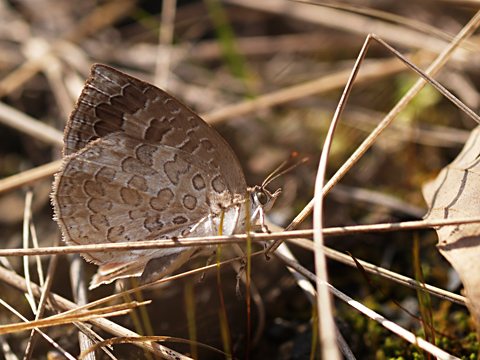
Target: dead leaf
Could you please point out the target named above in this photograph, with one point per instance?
(455, 193)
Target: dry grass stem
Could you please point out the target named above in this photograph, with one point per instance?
(407, 335)
(59, 319)
(219, 240)
(24, 123)
(369, 72)
(346, 21)
(141, 339)
(432, 70)
(164, 51)
(43, 299)
(267, 75)
(385, 273)
(106, 325)
(392, 18)
(29, 176)
(53, 71)
(45, 336)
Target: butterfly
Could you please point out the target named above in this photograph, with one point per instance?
(140, 165)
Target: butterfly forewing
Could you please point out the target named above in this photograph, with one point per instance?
(113, 101)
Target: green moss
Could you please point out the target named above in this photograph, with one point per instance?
(455, 335)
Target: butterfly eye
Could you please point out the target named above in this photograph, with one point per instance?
(262, 197)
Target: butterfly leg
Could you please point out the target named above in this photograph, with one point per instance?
(243, 263)
(237, 217)
(264, 228)
(209, 260)
(262, 221)
(200, 222)
(265, 247)
(212, 226)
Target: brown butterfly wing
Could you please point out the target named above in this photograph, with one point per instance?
(113, 101)
(119, 189)
(128, 146)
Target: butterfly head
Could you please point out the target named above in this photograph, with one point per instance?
(261, 197)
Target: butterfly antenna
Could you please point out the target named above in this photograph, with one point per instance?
(280, 170)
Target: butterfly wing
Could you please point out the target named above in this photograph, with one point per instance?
(113, 101)
(139, 165)
(118, 189)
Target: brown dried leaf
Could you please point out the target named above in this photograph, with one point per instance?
(455, 194)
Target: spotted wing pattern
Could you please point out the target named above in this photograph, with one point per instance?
(118, 189)
(113, 101)
(139, 165)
